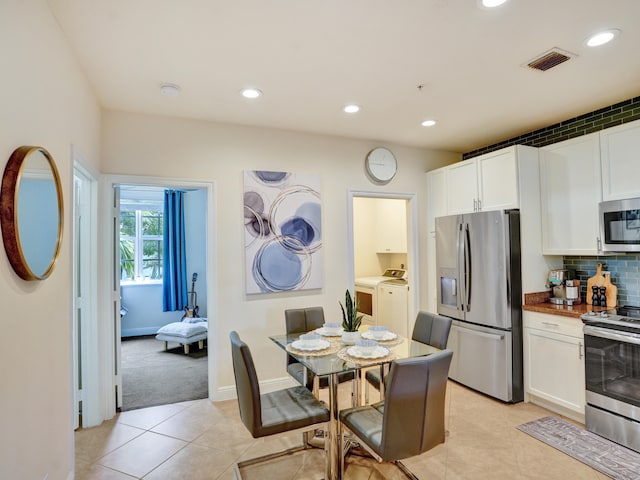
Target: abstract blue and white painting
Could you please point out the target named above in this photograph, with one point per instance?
(283, 231)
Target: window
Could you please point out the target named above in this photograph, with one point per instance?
(141, 242)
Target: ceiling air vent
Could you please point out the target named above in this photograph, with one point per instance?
(550, 59)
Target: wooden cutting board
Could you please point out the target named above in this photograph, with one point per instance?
(612, 291)
(597, 280)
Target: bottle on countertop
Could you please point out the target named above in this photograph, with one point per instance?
(603, 296)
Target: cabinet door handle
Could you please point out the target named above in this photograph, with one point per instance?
(479, 205)
(550, 324)
(599, 244)
(580, 350)
(475, 205)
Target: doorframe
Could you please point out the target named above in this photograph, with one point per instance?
(87, 358)
(108, 355)
(413, 260)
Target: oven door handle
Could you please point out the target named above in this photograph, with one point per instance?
(610, 335)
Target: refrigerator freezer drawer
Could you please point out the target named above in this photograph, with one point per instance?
(482, 359)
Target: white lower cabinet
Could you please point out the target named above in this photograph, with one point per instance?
(554, 363)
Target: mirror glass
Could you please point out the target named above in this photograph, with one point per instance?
(37, 213)
(32, 225)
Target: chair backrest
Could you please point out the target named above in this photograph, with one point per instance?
(432, 329)
(247, 386)
(414, 405)
(301, 320)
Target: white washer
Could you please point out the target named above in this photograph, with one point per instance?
(366, 290)
(393, 306)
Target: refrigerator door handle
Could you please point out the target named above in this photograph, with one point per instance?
(467, 268)
(460, 262)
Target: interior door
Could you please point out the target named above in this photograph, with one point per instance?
(115, 294)
(86, 375)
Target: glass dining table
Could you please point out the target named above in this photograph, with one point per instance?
(337, 358)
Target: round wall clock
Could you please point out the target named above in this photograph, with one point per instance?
(381, 165)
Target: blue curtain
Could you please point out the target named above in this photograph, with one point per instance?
(174, 274)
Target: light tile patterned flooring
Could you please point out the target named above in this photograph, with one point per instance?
(202, 440)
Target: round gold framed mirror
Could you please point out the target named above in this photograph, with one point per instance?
(31, 212)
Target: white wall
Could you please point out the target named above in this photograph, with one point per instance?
(45, 100)
(177, 148)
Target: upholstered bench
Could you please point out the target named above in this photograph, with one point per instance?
(185, 333)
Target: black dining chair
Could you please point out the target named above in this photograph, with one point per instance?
(284, 411)
(303, 320)
(430, 328)
(410, 421)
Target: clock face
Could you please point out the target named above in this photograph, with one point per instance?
(381, 165)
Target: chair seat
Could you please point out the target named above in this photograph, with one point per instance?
(366, 423)
(290, 409)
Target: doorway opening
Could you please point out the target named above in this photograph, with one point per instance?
(153, 371)
(383, 231)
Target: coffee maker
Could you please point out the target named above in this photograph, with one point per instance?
(565, 292)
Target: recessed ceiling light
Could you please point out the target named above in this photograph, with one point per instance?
(170, 89)
(429, 123)
(251, 93)
(351, 108)
(603, 37)
(492, 3)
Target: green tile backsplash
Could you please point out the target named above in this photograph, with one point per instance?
(607, 117)
(625, 274)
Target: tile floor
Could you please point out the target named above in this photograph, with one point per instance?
(202, 440)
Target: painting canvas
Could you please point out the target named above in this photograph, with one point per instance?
(283, 231)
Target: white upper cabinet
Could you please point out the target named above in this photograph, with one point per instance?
(571, 188)
(391, 226)
(462, 187)
(620, 156)
(487, 182)
(436, 197)
(498, 180)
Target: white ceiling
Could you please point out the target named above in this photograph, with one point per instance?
(310, 58)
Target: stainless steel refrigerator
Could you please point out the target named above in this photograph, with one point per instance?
(479, 287)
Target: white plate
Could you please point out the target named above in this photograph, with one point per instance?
(319, 345)
(378, 352)
(387, 336)
(324, 333)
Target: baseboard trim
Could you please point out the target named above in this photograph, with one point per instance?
(229, 392)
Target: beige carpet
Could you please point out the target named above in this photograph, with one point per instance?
(152, 376)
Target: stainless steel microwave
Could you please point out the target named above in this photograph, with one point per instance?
(620, 225)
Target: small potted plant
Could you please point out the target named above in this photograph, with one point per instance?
(350, 319)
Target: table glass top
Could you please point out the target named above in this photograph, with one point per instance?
(326, 364)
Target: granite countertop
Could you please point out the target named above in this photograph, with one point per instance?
(539, 302)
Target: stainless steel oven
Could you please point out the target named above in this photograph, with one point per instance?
(612, 370)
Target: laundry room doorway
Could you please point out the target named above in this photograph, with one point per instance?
(383, 230)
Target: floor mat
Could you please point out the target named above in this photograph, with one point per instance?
(605, 456)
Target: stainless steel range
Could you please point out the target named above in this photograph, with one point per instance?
(612, 370)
